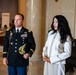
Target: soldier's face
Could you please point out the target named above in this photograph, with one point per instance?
(18, 22)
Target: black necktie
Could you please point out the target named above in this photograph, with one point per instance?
(17, 30)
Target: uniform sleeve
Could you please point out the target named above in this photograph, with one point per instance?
(64, 55)
(31, 42)
(6, 45)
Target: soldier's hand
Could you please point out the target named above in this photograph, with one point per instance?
(26, 56)
(5, 61)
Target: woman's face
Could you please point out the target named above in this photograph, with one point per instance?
(55, 24)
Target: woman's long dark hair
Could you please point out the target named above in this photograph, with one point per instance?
(63, 27)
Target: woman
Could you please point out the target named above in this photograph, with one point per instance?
(57, 47)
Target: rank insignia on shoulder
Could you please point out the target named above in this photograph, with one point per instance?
(7, 30)
(29, 31)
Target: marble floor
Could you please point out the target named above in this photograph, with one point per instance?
(35, 68)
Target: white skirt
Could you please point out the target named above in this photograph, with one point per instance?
(54, 69)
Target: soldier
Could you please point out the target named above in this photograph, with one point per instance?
(19, 45)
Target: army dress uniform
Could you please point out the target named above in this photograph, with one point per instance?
(16, 44)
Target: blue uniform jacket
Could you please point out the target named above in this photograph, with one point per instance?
(13, 42)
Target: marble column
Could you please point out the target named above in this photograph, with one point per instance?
(75, 20)
(33, 23)
(1, 48)
(22, 9)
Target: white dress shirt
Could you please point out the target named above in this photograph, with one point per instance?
(18, 29)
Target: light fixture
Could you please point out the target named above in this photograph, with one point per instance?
(56, 0)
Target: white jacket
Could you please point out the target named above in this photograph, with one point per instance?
(55, 56)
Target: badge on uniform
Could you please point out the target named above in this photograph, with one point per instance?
(10, 35)
(24, 35)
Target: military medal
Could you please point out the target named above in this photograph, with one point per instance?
(10, 35)
(24, 35)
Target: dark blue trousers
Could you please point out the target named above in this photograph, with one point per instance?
(17, 70)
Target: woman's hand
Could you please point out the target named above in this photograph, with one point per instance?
(46, 59)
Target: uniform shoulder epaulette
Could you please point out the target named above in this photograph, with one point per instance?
(29, 30)
(8, 29)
